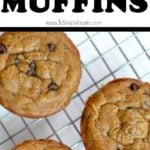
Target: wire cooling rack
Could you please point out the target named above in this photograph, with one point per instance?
(104, 56)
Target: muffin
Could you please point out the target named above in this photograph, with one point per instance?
(39, 72)
(117, 117)
(41, 145)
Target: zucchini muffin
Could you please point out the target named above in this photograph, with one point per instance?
(117, 117)
(39, 72)
(41, 145)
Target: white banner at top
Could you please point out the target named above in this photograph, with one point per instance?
(74, 13)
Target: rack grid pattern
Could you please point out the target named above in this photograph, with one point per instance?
(104, 56)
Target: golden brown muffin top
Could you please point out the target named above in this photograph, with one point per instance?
(41, 145)
(39, 72)
(117, 117)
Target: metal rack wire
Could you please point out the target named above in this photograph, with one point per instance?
(104, 56)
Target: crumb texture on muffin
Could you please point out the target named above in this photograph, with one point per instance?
(41, 145)
(117, 117)
(39, 72)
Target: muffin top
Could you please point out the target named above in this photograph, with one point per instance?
(117, 117)
(39, 72)
(41, 145)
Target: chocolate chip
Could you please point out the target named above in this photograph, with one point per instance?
(129, 107)
(32, 69)
(134, 87)
(52, 87)
(3, 49)
(51, 47)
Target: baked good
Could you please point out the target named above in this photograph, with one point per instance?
(39, 72)
(41, 145)
(117, 117)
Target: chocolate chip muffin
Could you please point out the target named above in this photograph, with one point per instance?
(117, 117)
(41, 145)
(39, 72)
